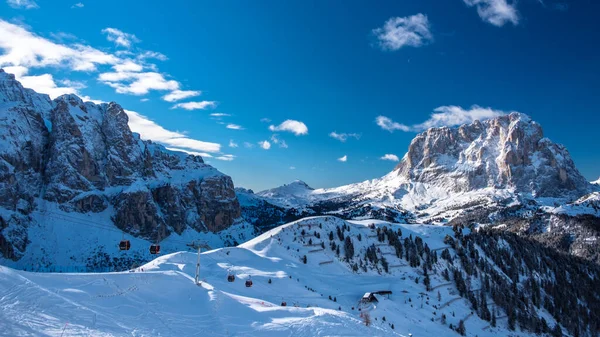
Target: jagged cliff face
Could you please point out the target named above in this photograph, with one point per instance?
(505, 152)
(84, 158)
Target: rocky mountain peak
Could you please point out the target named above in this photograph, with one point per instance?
(81, 157)
(11, 91)
(300, 183)
(509, 151)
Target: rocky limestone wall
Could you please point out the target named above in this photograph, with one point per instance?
(83, 157)
(505, 152)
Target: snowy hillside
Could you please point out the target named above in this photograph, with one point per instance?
(321, 292)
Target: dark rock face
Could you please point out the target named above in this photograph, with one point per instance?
(84, 158)
(505, 152)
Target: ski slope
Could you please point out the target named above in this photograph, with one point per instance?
(161, 298)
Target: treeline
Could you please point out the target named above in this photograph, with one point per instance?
(502, 275)
(522, 276)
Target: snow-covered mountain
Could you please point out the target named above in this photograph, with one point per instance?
(501, 170)
(309, 278)
(65, 163)
(295, 194)
(501, 157)
(597, 182)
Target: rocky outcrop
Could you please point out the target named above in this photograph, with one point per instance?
(83, 158)
(505, 152)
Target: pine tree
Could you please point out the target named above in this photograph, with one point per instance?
(461, 328)
(512, 319)
(348, 248)
(304, 259)
(557, 331)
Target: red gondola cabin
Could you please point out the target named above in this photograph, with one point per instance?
(154, 249)
(124, 245)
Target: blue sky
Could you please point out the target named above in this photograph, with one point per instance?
(324, 66)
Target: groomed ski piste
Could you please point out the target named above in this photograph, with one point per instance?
(161, 298)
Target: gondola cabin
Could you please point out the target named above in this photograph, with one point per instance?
(248, 283)
(124, 245)
(230, 278)
(154, 249)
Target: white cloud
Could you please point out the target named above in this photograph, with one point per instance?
(265, 144)
(292, 167)
(226, 157)
(86, 98)
(127, 65)
(444, 116)
(152, 55)
(152, 131)
(73, 84)
(201, 154)
(135, 83)
(248, 145)
(496, 12)
(18, 71)
(296, 127)
(195, 105)
(343, 159)
(232, 143)
(342, 137)
(234, 127)
(120, 38)
(265, 120)
(26, 4)
(45, 84)
(389, 125)
(275, 139)
(219, 114)
(390, 157)
(397, 32)
(144, 99)
(22, 48)
(78, 5)
(177, 95)
(455, 115)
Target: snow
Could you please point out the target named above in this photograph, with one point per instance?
(71, 242)
(588, 204)
(162, 300)
(295, 194)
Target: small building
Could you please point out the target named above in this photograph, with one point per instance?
(369, 298)
(383, 292)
